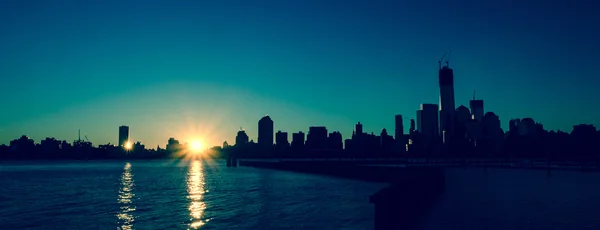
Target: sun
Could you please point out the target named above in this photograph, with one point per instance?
(196, 146)
(128, 145)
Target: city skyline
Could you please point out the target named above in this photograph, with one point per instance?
(167, 77)
(314, 114)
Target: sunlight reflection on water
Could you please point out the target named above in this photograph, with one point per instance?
(177, 195)
(195, 182)
(125, 216)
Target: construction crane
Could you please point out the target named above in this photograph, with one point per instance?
(448, 58)
(88, 140)
(442, 59)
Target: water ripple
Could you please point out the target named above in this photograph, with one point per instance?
(180, 195)
(195, 182)
(125, 216)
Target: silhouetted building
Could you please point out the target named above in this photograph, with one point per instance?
(447, 106)
(65, 145)
(349, 145)
(372, 143)
(50, 144)
(358, 143)
(412, 127)
(427, 121)
(358, 128)
(317, 138)
(24, 145)
(138, 147)
(474, 131)
(281, 139)
(476, 109)
(386, 141)
(265, 131)
(584, 141)
(298, 140)
(123, 135)
(585, 135)
(399, 132)
(513, 127)
(462, 115)
(527, 127)
(336, 141)
(583, 130)
(241, 138)
(492, 131)
(399, 139)
(173, 145)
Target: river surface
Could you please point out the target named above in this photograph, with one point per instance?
(200, 194)
(205, 194)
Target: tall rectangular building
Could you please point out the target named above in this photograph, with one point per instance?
(265, 131)
(427, 121)
(447, 104)
(317, 137)
(298, 139)
(476, 109)
(123, 135)
(281, 139)
(399, 132)
(335, 141)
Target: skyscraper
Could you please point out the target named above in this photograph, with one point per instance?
(492, 130)
(265, 131)
(241, 138)
(335, 141)
(462, 116)
(173, 145)
(281, 139)
(447, 107)
(399, 127)
(476, 109)
(316, 137)
(513, 126)
(359, 129)
(386, 141)
(123, 135)
(427, 121)
(298, 140)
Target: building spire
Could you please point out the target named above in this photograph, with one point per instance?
(473, 95)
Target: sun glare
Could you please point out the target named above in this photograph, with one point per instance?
(128, 145)
(196, 146)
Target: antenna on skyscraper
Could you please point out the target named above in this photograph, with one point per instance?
(473, 95)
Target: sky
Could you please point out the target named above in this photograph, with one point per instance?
(203, 69)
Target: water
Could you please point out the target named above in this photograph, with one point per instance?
(517, 199)
(208, 195)
(177, 195)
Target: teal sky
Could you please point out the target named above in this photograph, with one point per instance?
(203, 69)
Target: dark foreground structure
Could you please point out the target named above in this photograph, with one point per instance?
(399, 206)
